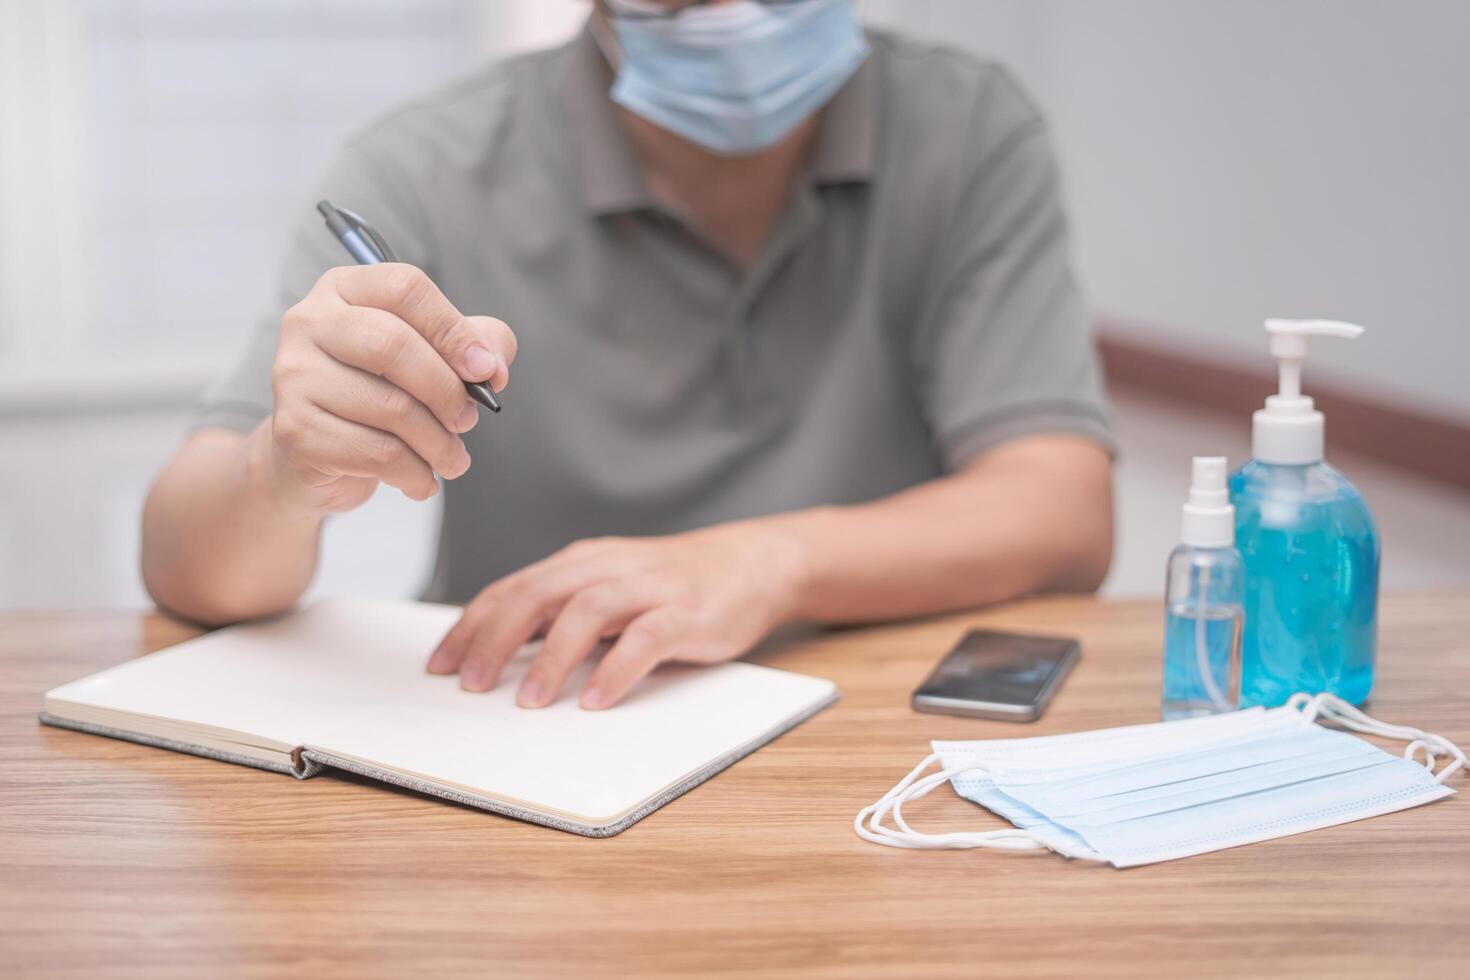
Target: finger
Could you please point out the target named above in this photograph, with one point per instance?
(361, 397)
(450, 652)
(524, 603)
(342, 448)
(469, 347)
(380, 343)
(584, 620)
(503, 345)
(511, 619)
(647, 642)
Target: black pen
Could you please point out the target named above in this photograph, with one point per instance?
(368, 248)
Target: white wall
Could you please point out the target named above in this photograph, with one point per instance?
(1234, 159)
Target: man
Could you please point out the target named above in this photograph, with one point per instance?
(800, 342)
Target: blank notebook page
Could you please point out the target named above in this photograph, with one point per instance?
(347, 677)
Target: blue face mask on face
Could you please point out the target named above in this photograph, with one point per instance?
(736, 77)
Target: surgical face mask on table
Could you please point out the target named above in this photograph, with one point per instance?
(733, 77)
(1149, 793)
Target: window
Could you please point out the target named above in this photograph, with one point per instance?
(155, 154)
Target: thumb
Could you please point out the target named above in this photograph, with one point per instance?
(490, 350)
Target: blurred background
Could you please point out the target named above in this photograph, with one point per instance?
(1225, 160)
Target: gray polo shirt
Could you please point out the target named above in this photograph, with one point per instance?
(913, 307)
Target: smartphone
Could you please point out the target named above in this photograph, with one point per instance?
(1006, 676)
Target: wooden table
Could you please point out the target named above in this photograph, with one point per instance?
(116, 859)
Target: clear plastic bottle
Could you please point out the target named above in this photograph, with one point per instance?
(1309, 544)
(1204, 605)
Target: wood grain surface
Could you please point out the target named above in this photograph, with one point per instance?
(122, 860)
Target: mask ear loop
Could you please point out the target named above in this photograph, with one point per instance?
(1335, 709)
(869, 821)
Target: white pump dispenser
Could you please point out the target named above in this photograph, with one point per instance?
(1289, 430)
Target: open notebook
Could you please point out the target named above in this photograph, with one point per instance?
(342, 684)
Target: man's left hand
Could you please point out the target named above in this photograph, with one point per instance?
(701, 597)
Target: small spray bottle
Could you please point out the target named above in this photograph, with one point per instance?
(1204, 602)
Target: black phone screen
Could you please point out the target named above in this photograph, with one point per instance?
(1010, 673)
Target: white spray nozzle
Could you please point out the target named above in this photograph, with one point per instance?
(1289, 429)
(1209, 519)
(1207, 482)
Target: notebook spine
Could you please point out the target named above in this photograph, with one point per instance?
(301, 770)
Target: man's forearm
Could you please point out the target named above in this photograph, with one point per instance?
(217, 547)
(1032, 515)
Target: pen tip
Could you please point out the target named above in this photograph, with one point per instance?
(482, 393)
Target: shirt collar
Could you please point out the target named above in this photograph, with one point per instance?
(612, 180)
(844, 150)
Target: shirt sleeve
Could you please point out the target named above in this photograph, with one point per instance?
(1005, 349)
(242, 397)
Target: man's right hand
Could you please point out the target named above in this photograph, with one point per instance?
(369, 386)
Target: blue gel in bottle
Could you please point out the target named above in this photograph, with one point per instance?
(1308, 542)
(1311, 597)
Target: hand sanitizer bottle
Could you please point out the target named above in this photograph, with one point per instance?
(1309, 544)
(1204, 602)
